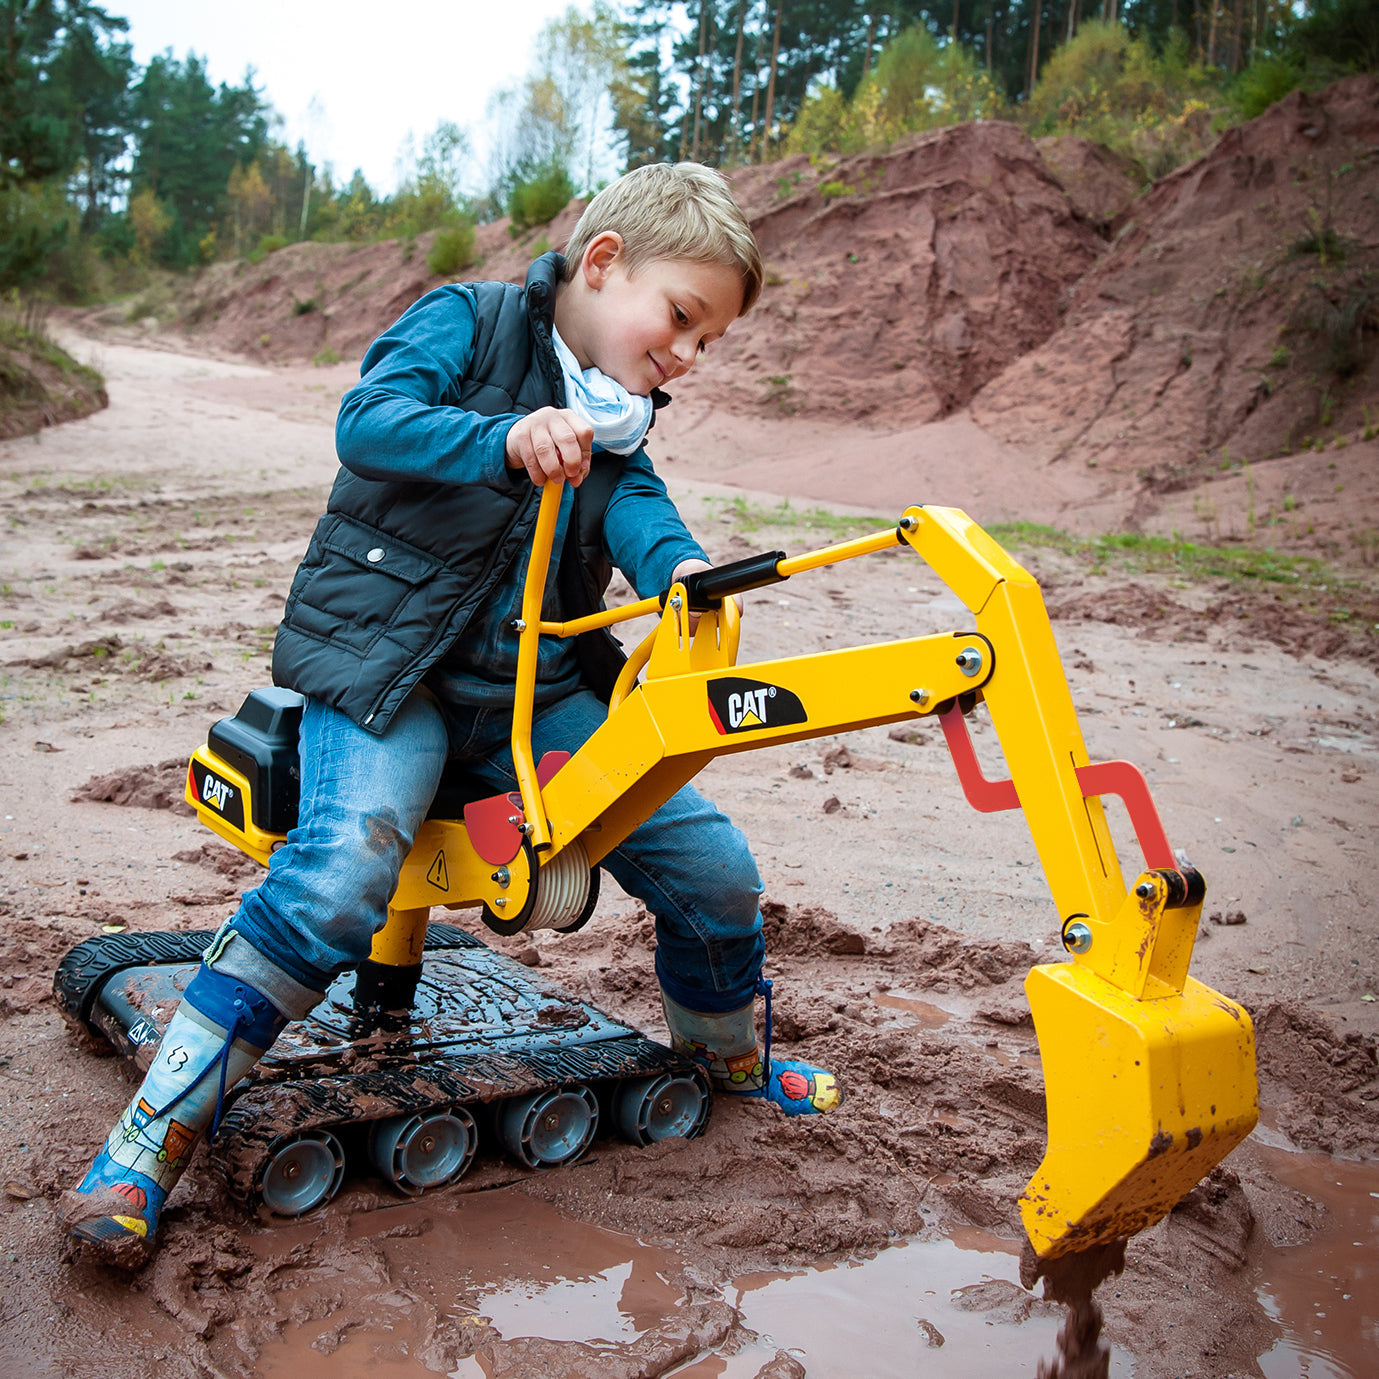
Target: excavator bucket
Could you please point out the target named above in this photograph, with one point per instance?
(1149, 1075)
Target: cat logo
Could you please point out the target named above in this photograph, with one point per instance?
(214, 791)
(737, 705)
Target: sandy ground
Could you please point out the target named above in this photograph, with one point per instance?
(146, 554)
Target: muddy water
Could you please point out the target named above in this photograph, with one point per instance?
(515, 1267)
(509, 1266)
(1325, 1294)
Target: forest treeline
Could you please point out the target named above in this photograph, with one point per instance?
(109, 168)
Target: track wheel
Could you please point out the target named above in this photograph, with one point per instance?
(648, 1109)
(549, 1128)
(302, 1171)
(419, 1152)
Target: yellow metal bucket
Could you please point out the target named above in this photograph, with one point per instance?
(1149, 1076)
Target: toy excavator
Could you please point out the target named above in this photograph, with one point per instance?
(439, 1042)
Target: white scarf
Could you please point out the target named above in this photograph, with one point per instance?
(620, 419)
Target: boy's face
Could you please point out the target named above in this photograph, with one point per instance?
(648, 327)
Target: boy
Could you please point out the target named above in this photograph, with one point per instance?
(399, 630)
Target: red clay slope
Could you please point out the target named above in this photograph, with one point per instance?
(899, 283)
(955, 269)
(1210, 330)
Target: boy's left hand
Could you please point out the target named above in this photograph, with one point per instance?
(690, 567)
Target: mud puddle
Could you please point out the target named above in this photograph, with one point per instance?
(515, 1267)
(1324, 1294)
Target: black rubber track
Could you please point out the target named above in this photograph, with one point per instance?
(85, 969)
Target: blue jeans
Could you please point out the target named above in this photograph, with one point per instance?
(363, 798)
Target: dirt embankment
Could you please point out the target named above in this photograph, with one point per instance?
(1234, 315)
(1136, 356)
(41, 384)
(900, 283)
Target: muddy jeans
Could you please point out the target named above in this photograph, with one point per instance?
(364, 797)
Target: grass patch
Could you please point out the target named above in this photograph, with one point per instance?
(38, 345)
(750, 518)
(1139, 555)
(1310, 583)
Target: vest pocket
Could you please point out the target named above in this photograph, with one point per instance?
(358, 584)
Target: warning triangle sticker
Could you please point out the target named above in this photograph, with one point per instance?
(750, 720)
(438, 876)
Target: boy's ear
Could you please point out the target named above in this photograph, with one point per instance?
(601, 253)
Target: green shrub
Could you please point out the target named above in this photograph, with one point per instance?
(326, 356)
(917, 84)
(540, 198)
(452, 249)
(1264, 81)
(1154, 107)
(270, 244)
(34, 223)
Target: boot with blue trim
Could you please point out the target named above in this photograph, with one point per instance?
(220, 1030)
(725, 1045)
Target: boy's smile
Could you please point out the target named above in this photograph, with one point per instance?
(647, 327)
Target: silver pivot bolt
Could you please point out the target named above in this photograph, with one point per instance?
(1077, 937)
(970, 661)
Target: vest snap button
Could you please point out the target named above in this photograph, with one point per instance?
(375, 555)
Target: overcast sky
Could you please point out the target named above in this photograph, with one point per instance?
(349, 80)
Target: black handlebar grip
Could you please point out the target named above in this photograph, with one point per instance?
(708, 588)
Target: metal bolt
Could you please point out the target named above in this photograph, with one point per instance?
(970, 661)
(500, 901)
(908, 523)
(551, 1121)
(428, 1144)
(1077, 937)
(665, 1106)
(519, 624)
(676, 602)
(292, 1170)
(1144, 890)
(920, 696)
(502, 876)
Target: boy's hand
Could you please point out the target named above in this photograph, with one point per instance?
(692, 566)
(551, 443)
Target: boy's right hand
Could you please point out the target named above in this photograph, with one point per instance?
(551, 443)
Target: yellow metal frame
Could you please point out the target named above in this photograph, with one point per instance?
(1150, 1076)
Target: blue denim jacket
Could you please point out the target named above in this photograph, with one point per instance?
(397, 423)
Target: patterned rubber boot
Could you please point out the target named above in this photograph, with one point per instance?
(726, 1047)
(220, 1030)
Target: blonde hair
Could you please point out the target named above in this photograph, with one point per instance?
(672, 211)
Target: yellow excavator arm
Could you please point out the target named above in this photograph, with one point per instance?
(1149, 1075)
